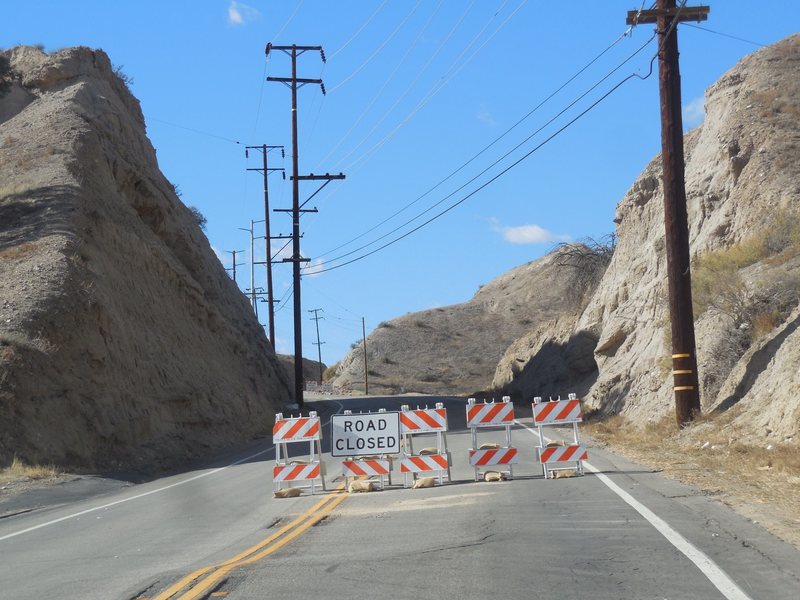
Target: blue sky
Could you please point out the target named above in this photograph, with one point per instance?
(416, 88)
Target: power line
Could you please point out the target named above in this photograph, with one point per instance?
(487, 147)
(410, 86)
(360, 29)
(431, 93)
(733, 37)
(198, 131)
(377, 51)
(286, 24)
(496, 162)
(434, 91)
(496, 177)
(363, 112)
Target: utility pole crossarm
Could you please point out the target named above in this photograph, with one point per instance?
(313, 177)
(687, 13)
(291, 210)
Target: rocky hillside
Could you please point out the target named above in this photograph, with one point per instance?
(743, 194)
(122, 340)
(455, 349)
(612, 346)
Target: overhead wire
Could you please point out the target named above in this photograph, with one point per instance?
(198, 131)
(444, 80)
(530, 152)
(360, 29)
(331, 57)
(363, 113)
(410, 86)
(289, 20)
(502, 172)
(485, 148)
(733, 37)
(497, 161)
(377, 51)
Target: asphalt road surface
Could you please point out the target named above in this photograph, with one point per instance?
(620, 531)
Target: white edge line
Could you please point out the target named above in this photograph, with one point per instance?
(142, 495)
(708, 567)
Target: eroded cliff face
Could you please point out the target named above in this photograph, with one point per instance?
(743, 185)
(122, 340)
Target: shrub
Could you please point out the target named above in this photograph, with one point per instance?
(330, 372)
(589, 256)
(201, 218)
(125, 78)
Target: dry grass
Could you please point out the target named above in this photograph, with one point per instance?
(764, 323)
(18, 470)
(762, 481)
(718, 284)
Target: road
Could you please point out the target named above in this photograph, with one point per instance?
(620, 531)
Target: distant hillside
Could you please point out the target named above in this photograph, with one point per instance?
(455, 349)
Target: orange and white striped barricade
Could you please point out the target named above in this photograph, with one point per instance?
(294, 430)
(553, 414)
(368, 467)
(491, 415)
(421, 421)
(357, 464)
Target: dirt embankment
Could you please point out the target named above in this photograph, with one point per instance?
(122, 340)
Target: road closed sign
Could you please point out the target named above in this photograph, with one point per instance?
(361, 435)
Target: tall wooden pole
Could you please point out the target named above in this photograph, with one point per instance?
(676, 223)
(297, 209)
(298, 305)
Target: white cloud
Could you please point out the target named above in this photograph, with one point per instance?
(282, 346)
(241, 14)
(528, 234)
(694, 112)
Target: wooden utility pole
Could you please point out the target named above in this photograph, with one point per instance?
(294, 83)
(684, 358)
(316, 319)
(265, 170)
(366, 371)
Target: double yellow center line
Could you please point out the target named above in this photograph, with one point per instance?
(200, 582)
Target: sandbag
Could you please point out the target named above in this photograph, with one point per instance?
(287, 493)
(424, 482)
(493, 476)
(489, 446)
(360, 486)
